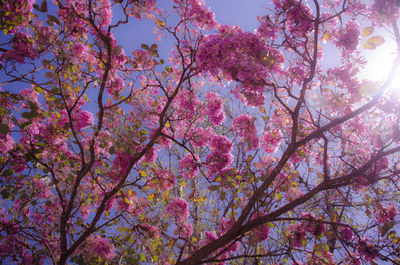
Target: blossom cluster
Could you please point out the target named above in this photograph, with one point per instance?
(298, 16)
(22, 47)
(215, 108)
(100, 247)
(197, 11)
(245, 127)
(179, 209)
(348, 38)
(15, 14)
(240, 56)
(270, 140)
(188, 167)
(220, 156)
(386, 214)
(385, 10)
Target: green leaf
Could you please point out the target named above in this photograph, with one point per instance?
(5, 194)
(169, 69)
(53, 19)
(29, 115)
(213, 187)
(4, 129)
(145, 47)
(33, 106)
(8, 172)
(25, 124)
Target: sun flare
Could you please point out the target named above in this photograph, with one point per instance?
(380, 63)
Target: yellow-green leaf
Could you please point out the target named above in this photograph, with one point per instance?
(159, 23)
(326, 35)
(367, 31)
(373, 42)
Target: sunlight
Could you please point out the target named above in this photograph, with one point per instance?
(380, 62)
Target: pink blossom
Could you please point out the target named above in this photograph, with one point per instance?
(188, 167)
(150, 155)
(296, 235)
(120, 165)
(385, 10)
(261, 232)
(215, 108)
(366, 249)
(187, 102)
(185, 229)
(6, 143)
(240, 56)
(270, 140)
(15, 14)
(244, 126)
(299, 18)
(346, 234)
(99, 246)
(23, 47)
(199, 137)
(386, 214)
(349, 37)
(198, 11)
(179, 209)
(166, 179)
(220, 156)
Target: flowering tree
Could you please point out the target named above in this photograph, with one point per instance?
(239, 148)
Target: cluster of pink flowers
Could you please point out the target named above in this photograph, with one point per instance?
(343, 78)
(81, 119)
(386, 214)
(68, 14)
(296, 235)
(367, 250)
(240, 56)
(15, 14)
(245, 127)
(81, 53)
(188, 167)
(385, 10)
(99, 246)
(261, 232)
(23, 47)
(150, 155)
(198, 11)
(187, 102)
(215, 108)
(224, 226)
(348, 38)
(299, 18)
(314, 227)
(210, 236)
(267, 29)
(179, 209)
(346, 234)
(166, 179)
(220, 156)
(120, 165)
(271, 140)
(199, 137)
